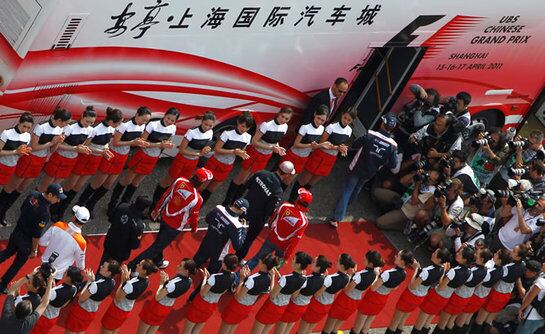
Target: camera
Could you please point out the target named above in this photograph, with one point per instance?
(421, 177)
(516, 171)
(442, 190)
(418, 236)
(479, 143)
(421, 164)
(446, 162)
(46, 268)
(456, 223)
(540, 222)
(449, 105)
(477, 199)
(519, 143)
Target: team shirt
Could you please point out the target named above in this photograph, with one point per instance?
(313, 283)
(197, 140)
(33, 297)
(457, 277)
(289, 284)
(493, 275)
(476, 276)
(510, 273)
(12, 139)
(272, 134)
(430, 276)
(232, 140)
(60, 295)
(101, 288)
(45, 133)
(129, 130)
(363, 280)
(219, 283)
(158, 132)
(333, 283)
(175, 287)
(309, 133)
(256, 284)
(180, 205)
(391, 279)
(338, 135)
(287, 227)
(133, 288)
(101, 136)
(74, 134)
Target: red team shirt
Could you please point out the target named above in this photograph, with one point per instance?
(287, 227)
(180, 205)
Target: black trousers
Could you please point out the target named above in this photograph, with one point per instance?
(255, 227)
(154, 252)
(19, 245)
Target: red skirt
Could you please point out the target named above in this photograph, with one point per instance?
(87, 164)
(235, 312)
(372, 303)
(79, 319)
(257, 161)
(6, 172)
(343, 307)
(455, 305)
(270, 313)
(474, 304)
(293, 313)
(30, 166)
(219, 169)
(408, 302)
(142, 164)
(154, 313)
(320, 163)
(496, 301)
(182, 167)
(115, 165)
(316, 311)
(433, 304)
(44, 325)
(59, 167)
(114, 317)
(298, 162)
(200, 310)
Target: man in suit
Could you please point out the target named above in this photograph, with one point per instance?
(328, 97)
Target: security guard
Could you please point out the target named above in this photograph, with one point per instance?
(23, 241)
(264, 192)
(126, 230)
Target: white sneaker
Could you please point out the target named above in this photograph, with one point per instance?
(164, 264)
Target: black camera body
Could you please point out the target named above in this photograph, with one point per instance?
(450, 105)
(442, 190)
(446, 162)
(421, 177)
(46, 268)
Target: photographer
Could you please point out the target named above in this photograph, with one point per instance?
(21, 318)
(536, 175)
(469, 232)
(449, 206)
(421, 111)
(520, 226)
(438, 138)
(522, 151)
(463, 172)
(482, 203)
(417, 203)
(458, 106)
(489, 153)
(65, 240)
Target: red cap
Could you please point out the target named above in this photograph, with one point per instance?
(204, 174)
(305, 197)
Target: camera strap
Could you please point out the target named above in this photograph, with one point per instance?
(76, 236)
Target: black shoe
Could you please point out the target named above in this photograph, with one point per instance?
(333, 222)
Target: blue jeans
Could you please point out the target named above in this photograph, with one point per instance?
(267, 248)
(351, 190)
(529, 326)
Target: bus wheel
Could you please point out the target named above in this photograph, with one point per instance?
(490, 118)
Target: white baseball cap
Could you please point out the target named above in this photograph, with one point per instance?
(287, 167)
(82, 214)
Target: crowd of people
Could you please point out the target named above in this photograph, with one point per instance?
(471, 194)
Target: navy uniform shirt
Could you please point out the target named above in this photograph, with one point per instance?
(34, 215)
(264, 194)
(376, 150)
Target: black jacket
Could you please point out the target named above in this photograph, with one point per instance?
(321, 98)
(125, 232)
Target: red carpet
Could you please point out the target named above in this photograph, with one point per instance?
(354, 238)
